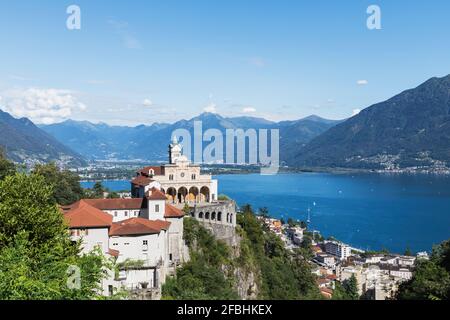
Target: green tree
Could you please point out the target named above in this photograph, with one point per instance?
(431, 279)
(408, 252)
(98, 190)
(351, 288)
(65, 184)
(113, 195)
(35, 248)
(6, 167)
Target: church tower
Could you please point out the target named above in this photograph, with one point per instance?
(174, 150)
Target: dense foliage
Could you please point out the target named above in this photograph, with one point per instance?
(284, 275)
(6, 167)
(36, 254)
(431, 280)
(278, 273)
(65, 184)
(201, 277)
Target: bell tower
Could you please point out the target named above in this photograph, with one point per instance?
(174, 150)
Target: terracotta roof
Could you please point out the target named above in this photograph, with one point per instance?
(114, 253)
(83, 215)
(158, 170)
(326, 291)
(137, 226)
(119, 204)
(141, 181)
(172, 212)
(155, 194)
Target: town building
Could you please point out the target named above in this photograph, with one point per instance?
(179, 179)
(338, 249)
(144, 233)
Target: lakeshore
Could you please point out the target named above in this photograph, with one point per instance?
(367, 211)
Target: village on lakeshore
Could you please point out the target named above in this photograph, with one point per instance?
(378, 274)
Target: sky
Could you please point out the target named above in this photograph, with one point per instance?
(140, 62)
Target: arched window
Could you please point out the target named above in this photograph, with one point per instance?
(213, 216)
(231, 218)
(219, 216)
(200, 215)
(170, 176)
(207, 215)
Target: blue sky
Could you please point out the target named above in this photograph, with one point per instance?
(137, 62)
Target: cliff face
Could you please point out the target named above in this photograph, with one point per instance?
(218, 265)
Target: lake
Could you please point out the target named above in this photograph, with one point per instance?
(368, 211)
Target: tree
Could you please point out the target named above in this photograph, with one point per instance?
(98, 190)
(351, 288)
(6, 167)
(431, 279)
(113, 195)
(66, 184)
(408, 252)
(35, 248)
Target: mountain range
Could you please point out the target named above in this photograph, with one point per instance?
(101, 141)
(409, 130)
(24, 142)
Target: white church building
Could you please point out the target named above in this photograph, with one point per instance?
(145, 233)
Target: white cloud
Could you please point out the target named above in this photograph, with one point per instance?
(147, 103)
(355, 112)
(248, 110)
(211, 107)
(41, 105)
(362, 82)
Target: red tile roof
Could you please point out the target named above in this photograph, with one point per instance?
(158, 170)
(141, 181)
(83, 215)
(119, 204)
(137, 226)
(172, 212)
(155, 194)
(114, 253)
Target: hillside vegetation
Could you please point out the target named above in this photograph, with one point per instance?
(217, 271)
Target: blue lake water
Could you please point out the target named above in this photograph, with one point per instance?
(368, 211)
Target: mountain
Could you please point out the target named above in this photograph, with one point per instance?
(100, 141)
(25, 142)
(411, 129)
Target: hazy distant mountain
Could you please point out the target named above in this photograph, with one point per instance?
(100, 141)
(25, 142)
(410, 129)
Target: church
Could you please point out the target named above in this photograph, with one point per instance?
(146, 230)
(179, 179)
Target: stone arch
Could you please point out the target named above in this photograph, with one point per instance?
(171, 194)
(182, 193)
(193, 194)
(162, 190)
(204, 194)
(207, 215)
(219, 216)
(200, 215)
(213, 215)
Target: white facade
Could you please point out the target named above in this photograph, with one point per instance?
(91, 238)
(340, 250)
